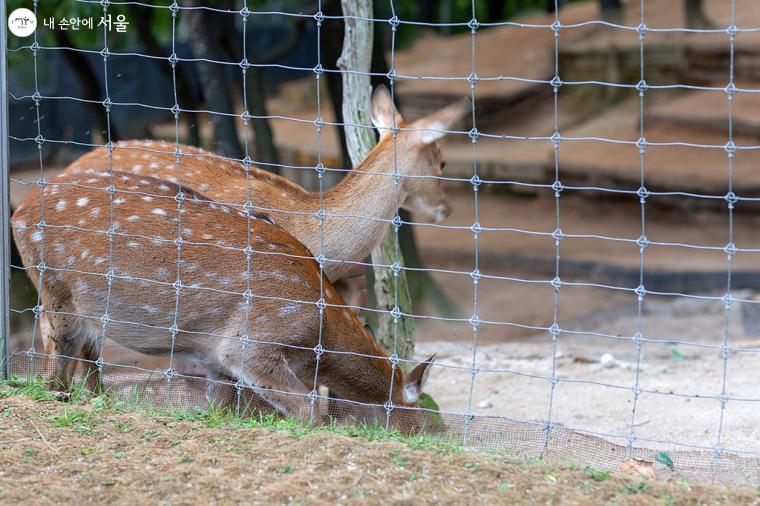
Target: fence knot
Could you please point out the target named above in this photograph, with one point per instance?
(319, 17)
(394, 360)
(174, 8)
(42, 183)
(643, 193)
(105, 319)
(474, 24)
(394, 22)
(319, 350)
(100, 363)
(473, 133)
(388, 406)
(640, 291)
(642, 242)
(169, 374)
(730, 249)
(36, 97)
(642, 87)
(245, 340)
(555, 331)
(105, 53)
(37, 310)
(173, 59)
(396, 268)
(245, 12)
(475, 321)
(476, 228)
(638, 339)
(397, 221)
(395, 313)
(42, 267)
(475, 275)
(175, 110)
(727, 299)
(35, 47)
(40, 140)
(319, 69)
(642, 29)
(558, 235)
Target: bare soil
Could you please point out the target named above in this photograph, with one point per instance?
(113, 457)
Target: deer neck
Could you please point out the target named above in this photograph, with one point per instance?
(369, 192)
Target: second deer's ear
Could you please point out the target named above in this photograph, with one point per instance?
(416, 380)
(383, 111)
(434, 126)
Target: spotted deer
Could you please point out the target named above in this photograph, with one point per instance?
(358, 209)
(162, 269)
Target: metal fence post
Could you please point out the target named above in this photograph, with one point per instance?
(4, 193)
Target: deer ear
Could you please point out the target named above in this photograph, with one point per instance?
(383, 111)
(368, 330)
(416, 380)
(434, 126)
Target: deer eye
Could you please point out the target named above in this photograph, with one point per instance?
(443, 164)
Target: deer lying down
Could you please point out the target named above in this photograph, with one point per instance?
(213, 293)
(367, 192)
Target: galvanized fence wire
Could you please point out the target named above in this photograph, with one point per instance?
(554, 332)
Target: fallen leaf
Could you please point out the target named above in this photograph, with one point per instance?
(643, 468)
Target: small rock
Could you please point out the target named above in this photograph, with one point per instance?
(608, 360)
(485, 404)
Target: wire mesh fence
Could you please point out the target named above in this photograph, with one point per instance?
(189, 296)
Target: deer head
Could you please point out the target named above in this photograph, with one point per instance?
(416, 153)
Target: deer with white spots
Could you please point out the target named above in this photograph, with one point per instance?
(358, 209)
(161, 270)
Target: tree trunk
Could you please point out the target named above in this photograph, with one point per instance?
(90, 88)
(695, 15)
(264, 149)
(207, 29)
(143, 17)
(391, 288)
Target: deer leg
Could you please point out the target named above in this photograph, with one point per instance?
(91, 353)
(279, 385)
(68, 346)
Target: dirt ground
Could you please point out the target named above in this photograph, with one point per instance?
(58, 453)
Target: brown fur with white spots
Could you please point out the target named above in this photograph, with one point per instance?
(367, 192)
(282, 318)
